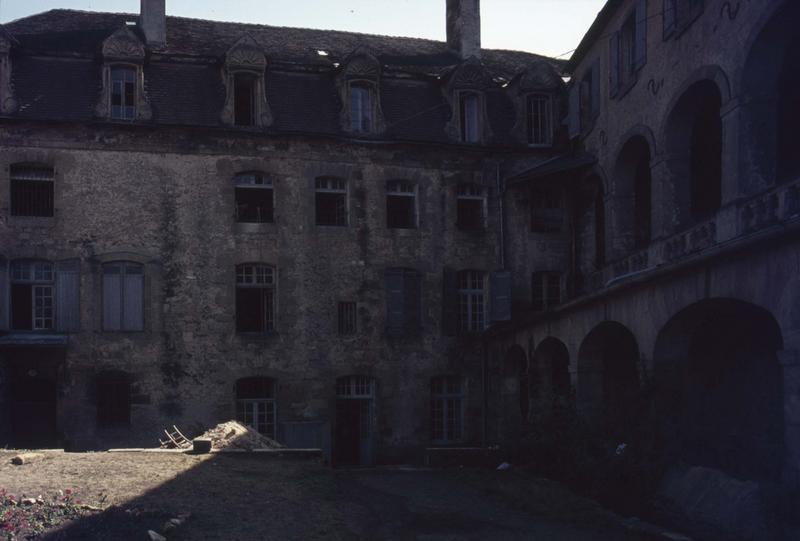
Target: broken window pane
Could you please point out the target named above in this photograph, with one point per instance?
(244, 99)
(31, 190)
(401, 205)
(255, 288)
(331, 201)
(123, 93)
(254, 198)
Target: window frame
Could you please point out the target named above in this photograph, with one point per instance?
(347, 318)
(471, 297)
(546, 115)
(552, 198)
(541, 284)
(440, 405)
(252, 80)
(470, 191)
(124, 106)
(20, 174)
(240, 182)
(340, 188)
(407, 190)
(123, 303)
(683, 15)
(37, 279)
(250, 406)
(365, 89)
(465, 126)
(268, 290)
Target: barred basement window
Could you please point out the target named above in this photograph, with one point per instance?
(31, 190)
(401, 205)
(469, 108)
(471, 204)
(255, 404)
(123, 296)
(255, 298)
(254, 198)
(32, 295)
(471, 301)
(123, 93)
(331, 201)
(244, 86)
(547, 209)
(113, 399)
(545, 290)
(540, 131)
(447, 409)
(347, 318)
(361, 108)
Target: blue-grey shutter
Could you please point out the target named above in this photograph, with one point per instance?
(412, 309)
(450, 303)
(68, 292)
(3, 293)
(133, 295)
(500, 285)
(574, 111)
(594, 95)
(640, 47)
(669, 18)
(395, 321)
(112, 297)
(613, 69)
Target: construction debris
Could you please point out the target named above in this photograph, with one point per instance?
(26, 458)
(175, 440)
(233, 435)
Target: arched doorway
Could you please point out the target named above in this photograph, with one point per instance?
(608, 378)
(632, 193)
(555, 385)
(720, 389)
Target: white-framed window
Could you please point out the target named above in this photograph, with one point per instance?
(32, 190)
(401, 204)
(123, 92)
(471, 301)
(255, 298)
(255, 404)
(447, 409)
(254, 198)
(539, 120)
(361, 108)
(469, 105)
(330, 200)
(355, 387)
(471, 207)
(123, 296)
(32, 295)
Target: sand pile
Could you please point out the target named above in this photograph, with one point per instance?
(233, 435)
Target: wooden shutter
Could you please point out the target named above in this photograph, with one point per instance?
(500, 285)
(133, 295)
(68, 287)
(640, 48)
(574, 111)
(4, 289)
(613, 73)
(412, 301)
(594, 96)
(112, 297)
(669, 18)
(395, 299)
(450, 303)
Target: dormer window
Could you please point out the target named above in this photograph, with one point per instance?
(123, 93)
(361, 109)
(469, 106)
(244, 99)
(540, 131)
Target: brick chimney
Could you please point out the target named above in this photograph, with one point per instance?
(464, 27)
(153, 22)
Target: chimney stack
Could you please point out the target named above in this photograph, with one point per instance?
(464, 27)
(153, 21)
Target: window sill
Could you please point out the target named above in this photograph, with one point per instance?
(254, 227)
(38, 221)
(257, 337)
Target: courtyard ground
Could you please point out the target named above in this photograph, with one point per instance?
(247, 496)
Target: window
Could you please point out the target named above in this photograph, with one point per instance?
(347, 318)
(255, 404)
(113, 399)
(628, 50)
(679, 14)
(547, 209)
(255, 298)
(545, 290)
(539, 116)
(471, 301)
(31, 190)
(123, 93)
(244, 99)
(447, 409)
(403, 302)
(32, 295)
(331, 201)
(469, 107)
(123, 296)
(471, 207)
(589, 96)
(254, 199)
(361, 108)
(401, 205)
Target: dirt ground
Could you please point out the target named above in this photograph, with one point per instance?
(246, 496)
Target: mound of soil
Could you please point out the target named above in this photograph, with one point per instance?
(233, 435)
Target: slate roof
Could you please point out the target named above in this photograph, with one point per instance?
(184, 85)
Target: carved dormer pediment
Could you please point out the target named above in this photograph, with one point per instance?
(124, 45)
(470, 75)
(540, 76)
(362, 66)
(246, 54)
(468, 82)
(361, 72)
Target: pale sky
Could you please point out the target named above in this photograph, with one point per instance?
(551, 27)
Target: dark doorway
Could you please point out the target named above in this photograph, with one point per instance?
(353, 439)
(33, 409)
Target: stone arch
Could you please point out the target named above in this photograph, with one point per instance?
(632, 194)
(555, 386)
(608, 378)
(719, 399)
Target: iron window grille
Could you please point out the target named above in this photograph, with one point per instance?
(347, 318)
(447, 409)
(254, 198)
(540, 131)
(31, 190)
(331, 201)
(255, 298)
(472, 301)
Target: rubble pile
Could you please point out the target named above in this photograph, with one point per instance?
(234, 435)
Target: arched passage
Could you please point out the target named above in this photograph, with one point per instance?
(632, 197)
(608, 379)
(694, 142)
(720, 399)
(771, 103)
(555, 386)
